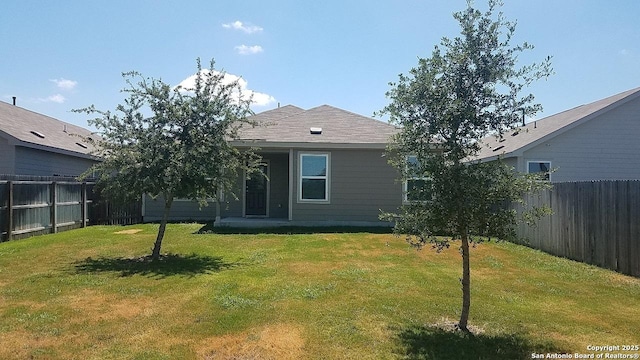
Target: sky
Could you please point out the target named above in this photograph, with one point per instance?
(61, 55)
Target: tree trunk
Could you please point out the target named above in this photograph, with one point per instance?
(466, 283)
(155, 255)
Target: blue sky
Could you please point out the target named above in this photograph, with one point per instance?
(60, 55)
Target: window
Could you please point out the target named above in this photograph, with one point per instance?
(534, 167)
(414, 186)
(314, 177)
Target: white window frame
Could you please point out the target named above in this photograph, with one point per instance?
(405, 183)
(326, 177)
(538, 162)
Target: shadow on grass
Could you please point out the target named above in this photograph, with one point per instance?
(291, 230)
(167, 265)
(431, 342)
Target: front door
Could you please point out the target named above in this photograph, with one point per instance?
(256, 186)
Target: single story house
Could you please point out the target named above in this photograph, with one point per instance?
(596, 141)
(36, 144)
(324, 166)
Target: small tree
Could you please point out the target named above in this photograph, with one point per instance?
(468, 89)
(172, 141)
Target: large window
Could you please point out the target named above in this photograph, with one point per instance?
(415, 185)
(314, 177)
(534, 167)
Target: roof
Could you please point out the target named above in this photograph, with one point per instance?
(291, 126)
(525, 137)
(35, 130)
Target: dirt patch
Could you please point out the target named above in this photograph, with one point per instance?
(449, 325)
(280, 341)
(128, 231)
(623, 280)
(97, 306)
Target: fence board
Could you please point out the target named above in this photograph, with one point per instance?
(4, 204)
(634, 231)
(593, 222)
(34, 206)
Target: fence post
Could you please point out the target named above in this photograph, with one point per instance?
(54, 208)
(83, 205)
(9, 210)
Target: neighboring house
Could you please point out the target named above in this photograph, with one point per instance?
(325, 166)
(35, 144)
(596, 141)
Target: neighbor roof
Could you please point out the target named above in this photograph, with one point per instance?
(516, 141)
(292, 126)
(35, 130)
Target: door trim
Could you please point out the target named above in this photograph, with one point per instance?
(267, 164)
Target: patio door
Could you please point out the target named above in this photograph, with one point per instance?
(256, 193)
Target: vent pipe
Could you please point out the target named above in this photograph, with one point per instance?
(14, 100)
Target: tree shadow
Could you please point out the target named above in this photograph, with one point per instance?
(292, 230)
(433, 342)
(167, 265)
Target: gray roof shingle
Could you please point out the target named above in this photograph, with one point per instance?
(538, 131)
(28, 127)
(292, 125)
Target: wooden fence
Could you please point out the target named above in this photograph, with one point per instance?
(35, 207)
(593, 222)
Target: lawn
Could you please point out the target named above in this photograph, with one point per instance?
(89, 294)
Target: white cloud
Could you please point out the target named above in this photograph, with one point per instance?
(64, 84)
(248, 50)
(258, 98)
(239, 25)
(57, 98)
(623, 52)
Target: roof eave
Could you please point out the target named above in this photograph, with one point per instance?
(535, 142)
(307, 145)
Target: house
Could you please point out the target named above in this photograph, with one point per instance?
(36, 144)
(596, 141)
(324, 166)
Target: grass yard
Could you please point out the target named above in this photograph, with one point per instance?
(88, 294)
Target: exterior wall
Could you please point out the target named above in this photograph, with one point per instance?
(44, 163)
(604, 148)
(362, 184)
(278, 189)
(278, 185)
(7, 157)
(183, 210)
(513, 162)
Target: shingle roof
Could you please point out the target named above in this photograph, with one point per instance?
(36, 130)
(292, 125)
(539, 131)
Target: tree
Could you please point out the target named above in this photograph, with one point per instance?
(468, 89)
(172, 141)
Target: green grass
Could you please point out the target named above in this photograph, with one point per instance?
(92, 294)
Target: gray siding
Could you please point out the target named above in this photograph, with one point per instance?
(362, 184)
(278, 189)
(278, 185)
(181, 210)
(513, 162)
(604, 148)
(44, 163)
(7, 157)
